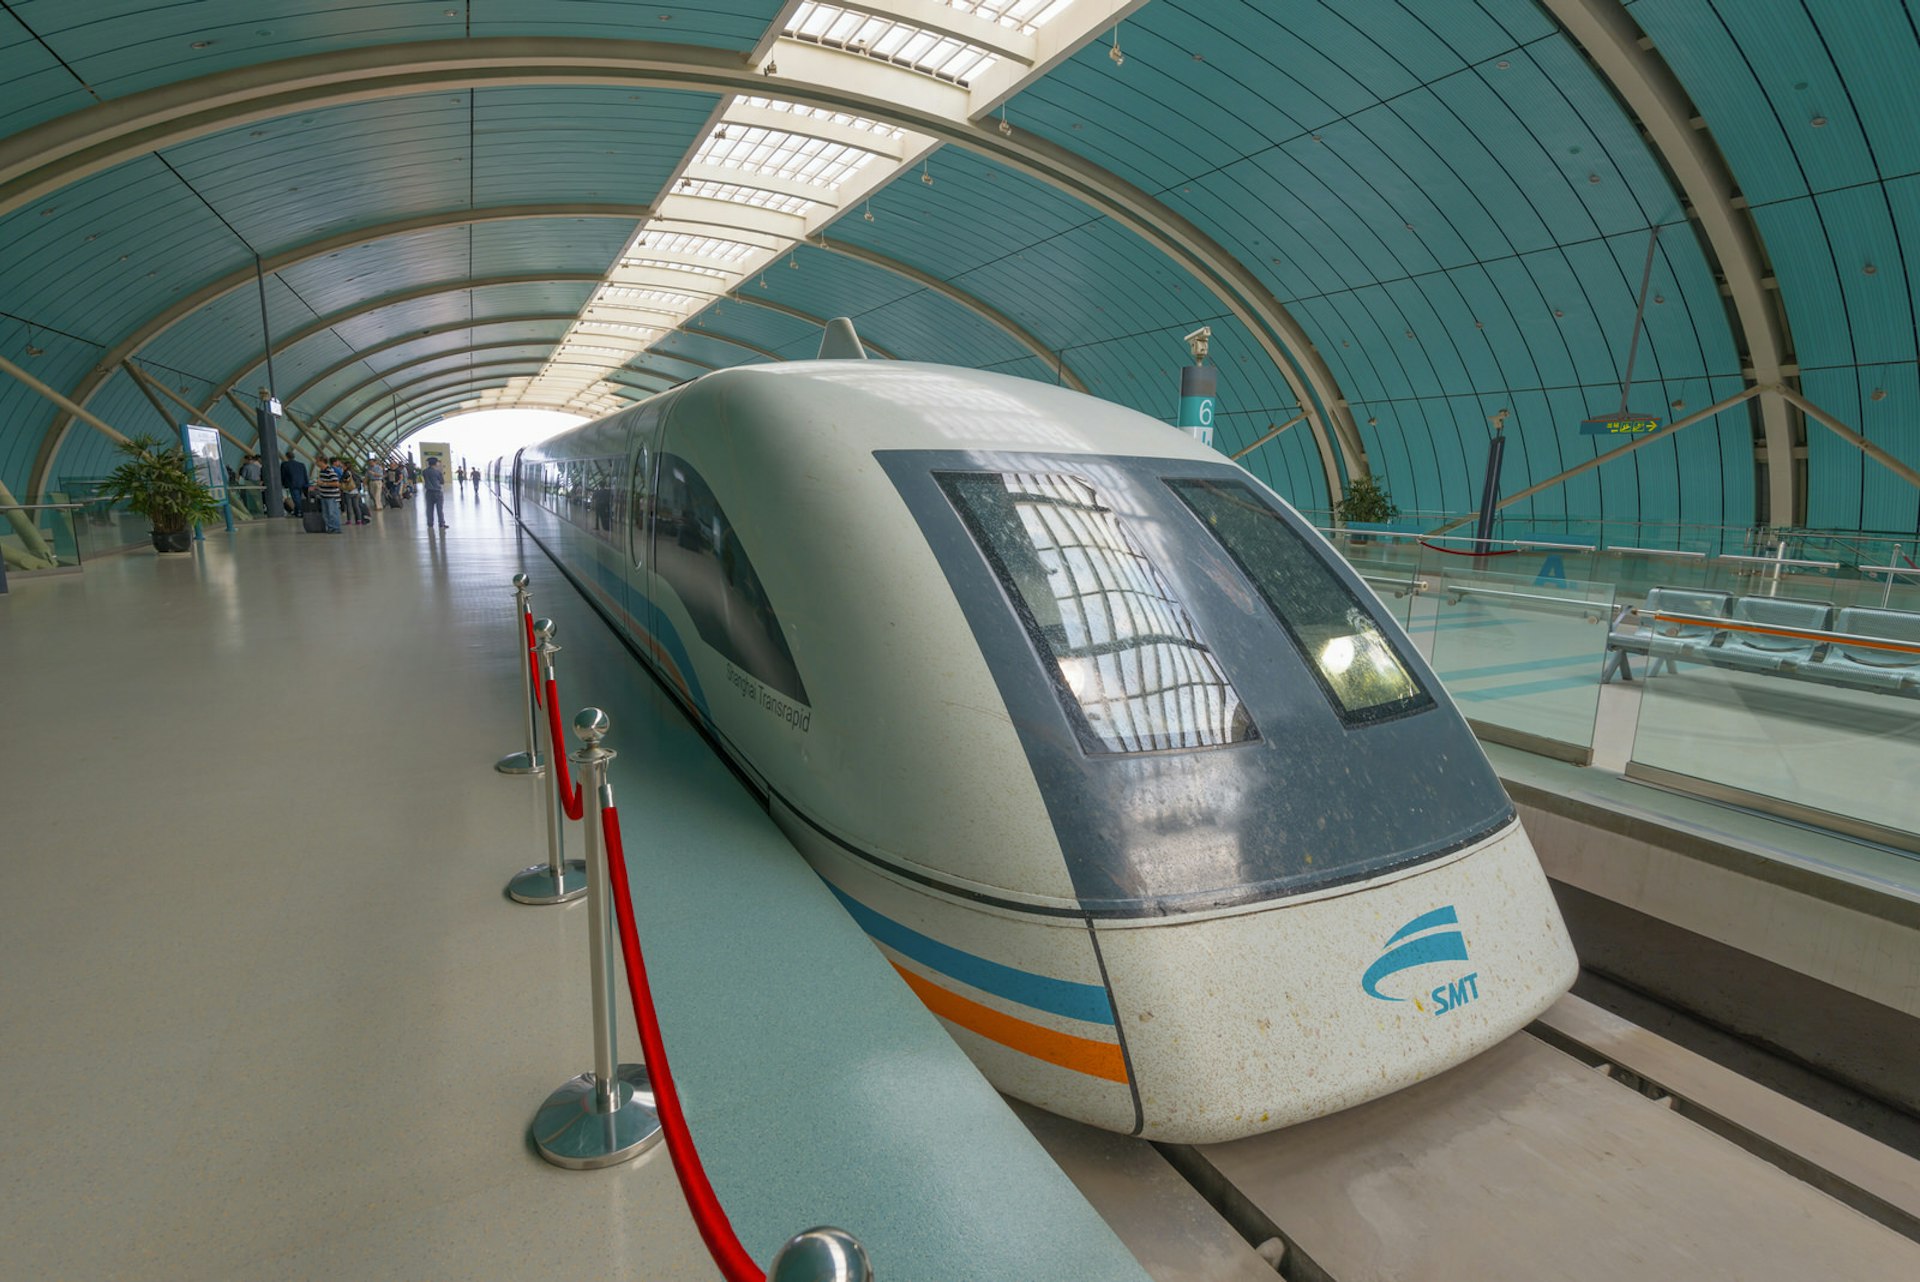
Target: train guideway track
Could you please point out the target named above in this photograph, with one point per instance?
(1527, 1164)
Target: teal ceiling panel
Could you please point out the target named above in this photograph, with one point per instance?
(282, 182)
(123, 46)
(554, 244)
(706, 349)
(1785, 50)
(38, 88)
(579, 143)
(924, 326)
(758, 325)
(1872, 271)
(1523, 20)
(1809, 280)
(1887, 502)
(380, 267)
(728, 24)
(976, 212)
(214, 338)
(1836, 472)
(1876, 50)
(103, 254)
(1695, 41)
(1492, 214)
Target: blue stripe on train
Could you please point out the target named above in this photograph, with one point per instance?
(1086, 1002)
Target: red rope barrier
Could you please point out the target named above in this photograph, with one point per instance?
(533, 658)
(708, 1215)
(570, 799)
(1451, 552)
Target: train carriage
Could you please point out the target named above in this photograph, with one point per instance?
(1119, 764)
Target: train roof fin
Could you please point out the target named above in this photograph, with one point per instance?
(838, 342)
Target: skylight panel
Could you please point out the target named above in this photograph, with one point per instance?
(667, 265)
(1026, 16)
(746, 196)
(619, 327)
(717, 248)
(783, 155)
(591, 349)
(841, 118)
(900, 43)
(617, 294)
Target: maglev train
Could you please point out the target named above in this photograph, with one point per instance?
(1124, 770)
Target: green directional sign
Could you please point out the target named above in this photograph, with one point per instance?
(1619, 425)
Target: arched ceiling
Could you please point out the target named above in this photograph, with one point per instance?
(1402, 216)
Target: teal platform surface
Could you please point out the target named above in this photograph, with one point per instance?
(818, 1088)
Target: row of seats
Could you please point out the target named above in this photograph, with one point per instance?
(1819, 659)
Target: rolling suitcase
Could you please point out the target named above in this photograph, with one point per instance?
(313, 520)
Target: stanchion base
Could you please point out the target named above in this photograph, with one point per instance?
(569, 1133)
(535, 885)
(520, 763)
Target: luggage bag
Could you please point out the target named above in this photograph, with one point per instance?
(313, 520)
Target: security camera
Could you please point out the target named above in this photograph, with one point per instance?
(1197, 343)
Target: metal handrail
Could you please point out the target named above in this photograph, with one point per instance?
(1571, 605)
(1678, 552)
(43, 507)
(1720, 624)
(1775, 560)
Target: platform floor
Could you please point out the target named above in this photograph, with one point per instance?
(265, 1012)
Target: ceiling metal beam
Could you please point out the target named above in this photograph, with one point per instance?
(412, 294)
(51, 155)
(381, 375)
(451, 327)
(401, 389)
(161, 322)
(1655, 96)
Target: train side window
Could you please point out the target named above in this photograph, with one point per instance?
(698, 553)
(1349, 652)
(1120, 650)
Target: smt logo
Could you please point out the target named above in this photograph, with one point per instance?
(1431, 937)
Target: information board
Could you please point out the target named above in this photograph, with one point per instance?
(1619, 425)
(203, 444)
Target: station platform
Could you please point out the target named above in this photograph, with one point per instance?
(268, 1013)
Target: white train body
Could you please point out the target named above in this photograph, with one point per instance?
(1124, 770)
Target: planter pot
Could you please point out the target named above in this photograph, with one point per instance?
(172, 540)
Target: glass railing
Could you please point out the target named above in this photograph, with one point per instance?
(41, 538)
(1804, 723)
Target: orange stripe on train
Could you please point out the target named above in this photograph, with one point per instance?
(1081, 1054)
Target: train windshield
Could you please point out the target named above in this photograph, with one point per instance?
(1120, 650)
(1342, 642)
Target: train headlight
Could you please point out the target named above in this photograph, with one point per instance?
(1336, 656)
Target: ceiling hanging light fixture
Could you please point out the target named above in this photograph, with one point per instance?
(926, 179)
(867, 214)
(1119, 59)
(1006, 130)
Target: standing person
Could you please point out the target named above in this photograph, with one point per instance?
(375, 477)
(436, 481)
(326, 488)
(350, 487)
(251, 474)
(393, 485)
(293, 475)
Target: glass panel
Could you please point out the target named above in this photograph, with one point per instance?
(1339, 637)
(1520, 652)
(1844, 742)
(1120, 650)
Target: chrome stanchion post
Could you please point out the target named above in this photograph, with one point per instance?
(821, 1255)
(528, 762)
(559, 880)
(607, 1115)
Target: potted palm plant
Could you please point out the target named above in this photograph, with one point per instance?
(1366, 503)
(157, 481)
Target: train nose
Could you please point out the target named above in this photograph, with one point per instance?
(1248, 1022)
